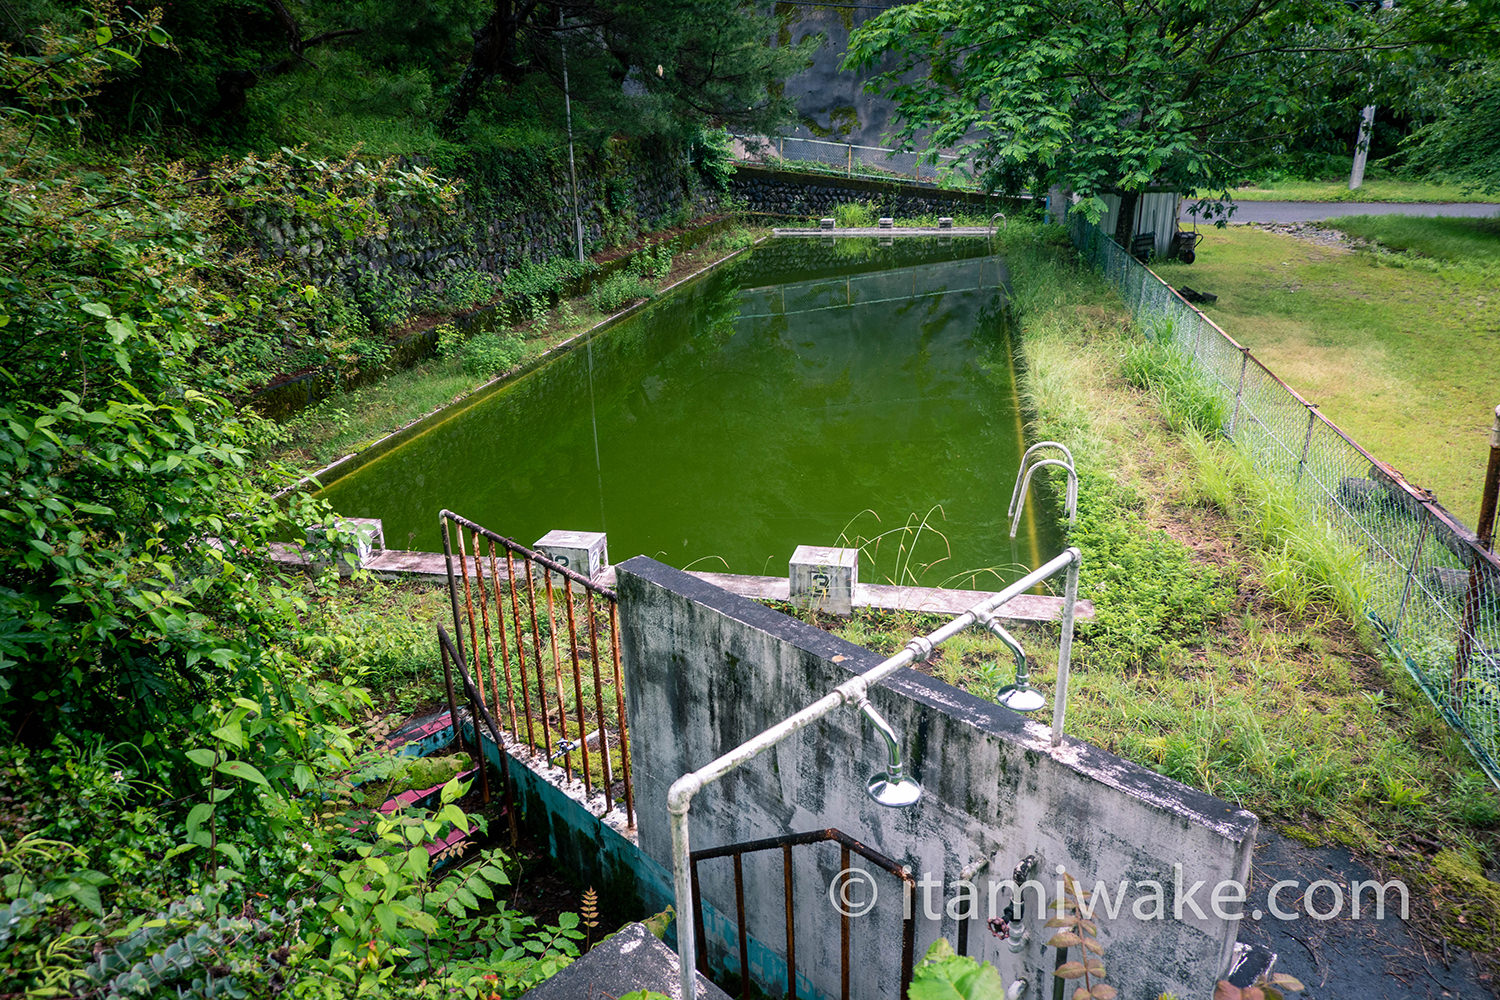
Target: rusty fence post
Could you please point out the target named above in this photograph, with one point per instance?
(1485, 531)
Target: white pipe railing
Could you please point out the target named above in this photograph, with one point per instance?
(852, 692)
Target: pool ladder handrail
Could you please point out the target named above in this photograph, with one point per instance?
(1023, 482)
(1004, 224)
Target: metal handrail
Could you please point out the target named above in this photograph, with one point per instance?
(485, 623)
(848, 845)
(478, 713)
(1023, 482)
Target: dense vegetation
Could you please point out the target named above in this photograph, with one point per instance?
(1098, 97)
(187, 791)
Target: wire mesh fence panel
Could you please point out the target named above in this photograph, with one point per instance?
(1430, 589)
(850, 159)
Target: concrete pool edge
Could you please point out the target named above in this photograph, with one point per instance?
(339, 468)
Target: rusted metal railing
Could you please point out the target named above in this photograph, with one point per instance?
(544, 619)
(477, 714)
(848, 847)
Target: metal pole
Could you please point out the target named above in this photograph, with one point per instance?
(1312, 416)
(1239, 393)
(851, 692)
(1485, 531)
(572, 168)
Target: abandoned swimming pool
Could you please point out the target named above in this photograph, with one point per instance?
(805, 393)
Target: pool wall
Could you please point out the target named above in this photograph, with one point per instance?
(706, 670)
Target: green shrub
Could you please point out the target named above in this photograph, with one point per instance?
(854, 214)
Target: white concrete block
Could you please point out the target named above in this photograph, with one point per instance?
(825, 223)
(886, 222)
(824, 578)
(583, 552)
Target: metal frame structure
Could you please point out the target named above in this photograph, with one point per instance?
(848, 846)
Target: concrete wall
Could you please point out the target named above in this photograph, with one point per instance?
(706, 670)
(810, 194)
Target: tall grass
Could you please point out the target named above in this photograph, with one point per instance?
(1304, 561)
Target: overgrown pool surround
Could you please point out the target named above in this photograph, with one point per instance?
(809, 392)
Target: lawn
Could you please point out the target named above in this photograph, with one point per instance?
(1371, 190)
(1402, 353)
(1453, 241)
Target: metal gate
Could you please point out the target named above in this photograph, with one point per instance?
(847, 846)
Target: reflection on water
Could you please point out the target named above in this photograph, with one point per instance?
(806, 394)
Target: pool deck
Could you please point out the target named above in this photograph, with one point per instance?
(431, 567)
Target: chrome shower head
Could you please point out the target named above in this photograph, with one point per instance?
(1020, 696)
(890, 787)
(894, 791)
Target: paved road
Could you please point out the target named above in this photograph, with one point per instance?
(1314, 211)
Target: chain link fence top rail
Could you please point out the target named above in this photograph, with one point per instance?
(1431, 590)
(871, 162)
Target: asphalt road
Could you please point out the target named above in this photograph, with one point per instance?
(1314, 211)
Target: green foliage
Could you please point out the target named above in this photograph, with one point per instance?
(1162, 368)
(713, 155)
(1037, 99)
(854, 214)
(945, 975)
(1463, 142)
(636, 281)
(485, 355)
(1150, 597)
(1305, 561)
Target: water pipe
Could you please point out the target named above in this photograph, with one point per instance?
(855, 692)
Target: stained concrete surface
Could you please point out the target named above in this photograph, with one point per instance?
(1347, 958)
(631, 960)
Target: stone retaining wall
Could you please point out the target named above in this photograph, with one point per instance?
(786, 193)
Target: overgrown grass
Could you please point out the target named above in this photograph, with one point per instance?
(1373, 189)
(1453, 241)
(1399, 352)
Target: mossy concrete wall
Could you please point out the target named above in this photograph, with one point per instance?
(706, 670)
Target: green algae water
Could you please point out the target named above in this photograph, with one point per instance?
(809, 392)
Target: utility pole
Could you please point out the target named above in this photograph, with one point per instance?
(1366, 132)
(572, 169)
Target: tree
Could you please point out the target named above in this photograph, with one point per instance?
(1116, 95)
(705, 60)
(1463, 142)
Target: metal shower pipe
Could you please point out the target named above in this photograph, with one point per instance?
(852, 692)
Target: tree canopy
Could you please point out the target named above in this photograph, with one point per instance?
(403, 78)
(1101, 95)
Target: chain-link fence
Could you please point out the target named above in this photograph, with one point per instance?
(1432, 591)
(847, 159)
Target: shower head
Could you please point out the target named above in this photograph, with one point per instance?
(890, 787)
(894, 791)
(1020, 696)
